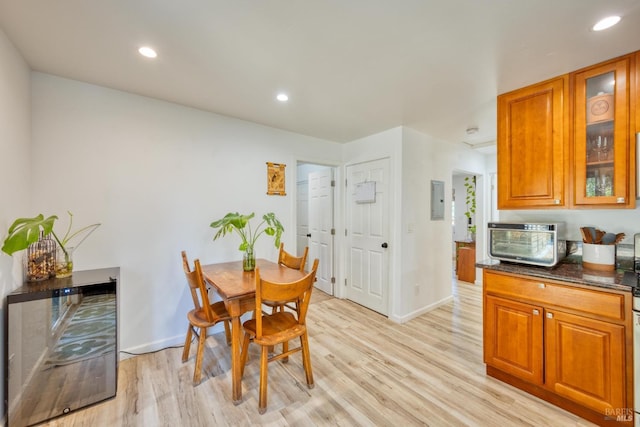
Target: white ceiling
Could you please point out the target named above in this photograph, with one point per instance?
(352, 68)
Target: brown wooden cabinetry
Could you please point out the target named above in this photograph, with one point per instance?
(567, 344)
(513, 338)
(532, 145)
(585, 360)
(569, 142)
(604, 152)
(466, 261)
(635, 99)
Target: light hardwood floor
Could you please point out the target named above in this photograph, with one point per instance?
(368, 371)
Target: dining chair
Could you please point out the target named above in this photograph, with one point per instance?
(292, 261)
(289, 261)
(269, 330)
(203, 316)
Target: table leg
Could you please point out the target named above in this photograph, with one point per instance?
(236, 342)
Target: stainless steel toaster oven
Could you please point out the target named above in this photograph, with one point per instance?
(527, 243)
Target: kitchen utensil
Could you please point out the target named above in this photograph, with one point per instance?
(619, 238)
(599, 235)
(586, 235)
(609, 239)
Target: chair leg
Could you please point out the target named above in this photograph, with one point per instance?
(187, 345)
(285, 348)
(198, 369)
(227, 331)
(264, 361)
(306, 359)
(245, 353)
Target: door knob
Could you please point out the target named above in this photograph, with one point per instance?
(384, 245)
(309, 235)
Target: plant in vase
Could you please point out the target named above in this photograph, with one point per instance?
(233, 221)
(26, 231)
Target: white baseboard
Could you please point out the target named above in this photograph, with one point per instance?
(126, 353)
(417, 313)
(177, 340)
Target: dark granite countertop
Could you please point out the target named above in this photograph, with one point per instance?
(569, 270)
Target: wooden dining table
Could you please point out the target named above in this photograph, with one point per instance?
(237, 288)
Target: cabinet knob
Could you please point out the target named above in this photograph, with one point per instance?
(620, 200)
(549, 315)
(541, 285)
(556, 201)
(536, 312)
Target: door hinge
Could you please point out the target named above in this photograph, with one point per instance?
(345, 183)
(345, 231)
(333, 231)
(333, 280)
(333, 182)
(345, 282)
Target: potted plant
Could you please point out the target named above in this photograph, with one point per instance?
(26, 231)
(233, 221)
(470, 201)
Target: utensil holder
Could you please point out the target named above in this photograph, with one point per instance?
(599, 257)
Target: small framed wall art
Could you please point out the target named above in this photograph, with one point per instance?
(275, 179)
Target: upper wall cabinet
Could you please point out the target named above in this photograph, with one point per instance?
(532, 146)
(604, 153)
(569, 142)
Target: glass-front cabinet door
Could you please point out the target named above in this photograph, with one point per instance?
(601, 150)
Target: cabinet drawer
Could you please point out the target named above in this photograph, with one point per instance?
(598, 303)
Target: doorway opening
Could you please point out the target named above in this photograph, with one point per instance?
(466, 220)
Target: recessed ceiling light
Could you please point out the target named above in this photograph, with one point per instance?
(282, 97)
(148, 52)
(605, 23)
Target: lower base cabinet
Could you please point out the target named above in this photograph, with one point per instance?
(563, 343)
(513, 338)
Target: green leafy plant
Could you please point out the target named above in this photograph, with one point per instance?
(233, 221)
(25, 231)
(470, 201)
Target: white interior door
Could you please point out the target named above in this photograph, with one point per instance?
(302, 215)
(321, 226)
(367, 234)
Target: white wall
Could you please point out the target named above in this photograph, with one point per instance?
(155, 174)
(15, 125)
(419, 249)
(426, 250)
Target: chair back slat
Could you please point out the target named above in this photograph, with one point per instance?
(299, 290)
(193, 286)
(292, 261)
(199, 292)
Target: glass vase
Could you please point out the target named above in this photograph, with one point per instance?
(64, 262)
(248, 260)
(40, 260)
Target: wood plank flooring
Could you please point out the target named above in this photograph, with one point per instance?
(368, 371)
